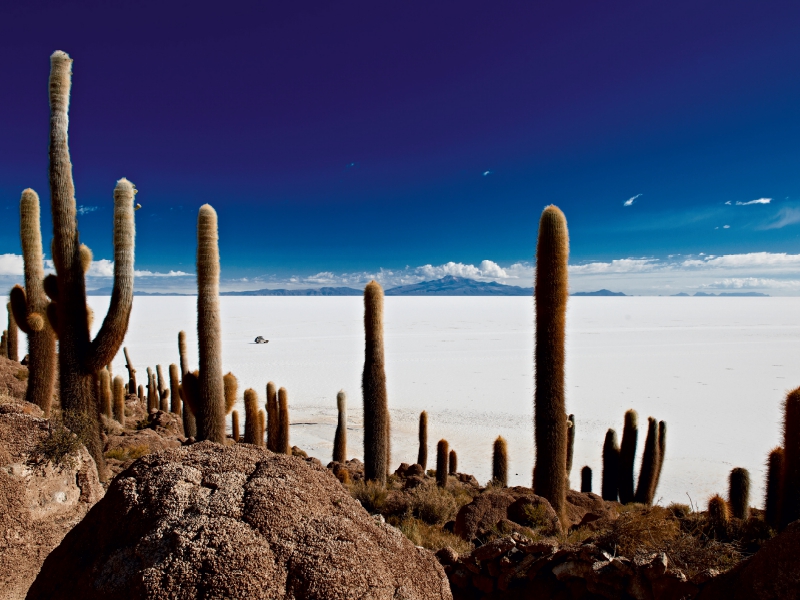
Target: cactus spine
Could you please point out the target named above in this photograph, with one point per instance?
(739, 493)
(104, 380)
(119, 400)
(210, 415)
(422, 455)
(551, 293)
(500, 462)
(373, 385)
(627, 454)
(12, 349)
(235, 425)
(610, 466)
(340, 439)
(189, 423)
(283, 446)
(251, 425)
(790, 477)
(773, 487)
(272, 417)
(441, 463)
(646, 490)
(30, 307)
(131, 372)
(174, 390)
(586, 480)
(570, 443)
(452, 468)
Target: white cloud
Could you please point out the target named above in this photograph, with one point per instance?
(11, 264)
(726, 226)
(786, 216)
(759, 201)
(82, 210)
(169, 273)
(762, 260)
(101, 268)
(630, 201)
(622, 265)
(738, 283)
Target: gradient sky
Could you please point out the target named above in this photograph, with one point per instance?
(349, 137)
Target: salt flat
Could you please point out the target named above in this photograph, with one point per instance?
(716, 369)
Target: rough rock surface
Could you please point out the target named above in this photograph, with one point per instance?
(39, 503)
(212, 521)
(487, 510)
(772, 572)
(13, 378)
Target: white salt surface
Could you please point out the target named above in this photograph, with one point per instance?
(716, 369)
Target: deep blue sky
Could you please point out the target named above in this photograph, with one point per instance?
(347, 136)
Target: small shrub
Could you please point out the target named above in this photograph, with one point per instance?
(679, 511)
(371, 494)
(429, 536)
(144, 423)
(58, 448)
(536, 516)
(433, 505)
(130, 453)
(22, 374)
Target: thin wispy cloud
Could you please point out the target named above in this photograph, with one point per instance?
(82, 210)
(630, 201)
(786, 216)
(758, 201)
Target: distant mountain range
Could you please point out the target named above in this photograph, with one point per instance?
(323, 291)
(724, 295)
(599, 293)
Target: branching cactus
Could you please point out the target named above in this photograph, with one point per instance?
(549, 408)
(422, 455)
(174, 390)
(80, 357)
(251, 424)
(104, 381)
(30, 307)
(12, 347)
(119, 400)
(500, 462)
(340, 439)
(273, 424)
(646, 489)
(442, 452)
(790, 478)
(283, 446)
(610, 466)
(189, 423)
(452, 468)
(773, 487)
(210, 414)
(235, 425)
(739, 493)
(231, 386)
(627, 455)
(586, 480)
(131, 372)
(373, 385)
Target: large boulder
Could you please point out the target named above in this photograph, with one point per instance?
(213, 521)
(13, 378)
(485, 511)
(39, 501)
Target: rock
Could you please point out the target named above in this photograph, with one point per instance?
(261, 340)
(13, 379)
(415, 470)
(39, 503)
(772, 572)
(213, 521)
(447, 556)
(413, 482)
(534, 511)
(583, 508)
(166, 424)
(486, 510)
(493, 549)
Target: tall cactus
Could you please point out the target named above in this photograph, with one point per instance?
(251, 425)
(739, 493)
(549, 407)
(442, 452)
(646, 489)
(773, 487)
(610, 467)
(12, 347)
(340, 439)
(273, 424)
(30, 307)
(174, 390)
(422, 455)
(627, 455)
(283, 446)
(189, 423)
(790, 478)
(211, 406)
(500, 462)
(373, 385)
(119, 400)
(80, 357)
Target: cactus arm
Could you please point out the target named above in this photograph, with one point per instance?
(109, 339)
(19, 308)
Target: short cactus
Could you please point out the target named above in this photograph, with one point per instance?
(262, 427)
(570, 443)
(231, 387)
(235, 425)
(251, 425)
(140, 393)
(442, 454)
(283, 446)
(452, 467)
(662, 449)
(773, 487)
(12, 343)
(273, 423)
(163, 390)
(610, 467)
(340, 439)
(119, 400)
(645, 491)
(4, 344)
(373, 386)
(790, 478)
(739, 493)
(586, 480)
(174, 390)
(500, 462)
(190, 391)
(152, 392)
(718, 516)
(627, 454)
(422, 455)
(189, 423)
(131, 372)
(104, 383)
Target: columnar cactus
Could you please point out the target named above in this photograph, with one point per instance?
(80, 357)
(104, 381)
(262, 426)
(273, 423)
(4, 344)
(610, 466)
(586, 480)
(174, 390)
(422, 455)
(549, 408)
(283, 446)
(119, 400)
(773, 487)
(235, 425)
(189, 423)
(373, 385)
(163, 390)
(141, 394)
(627, 454)
(500, 462)
(210, 415)
(152, 391)
(662, 448)
(340, 439)
(646, 490)
(30, 307)
(718, 515)
(251, 425)
(790, 478)
(12, 349)
(231, 386)
(452, 468)
(570, 443)
(131, 372)
(442, 452)
(739, 493)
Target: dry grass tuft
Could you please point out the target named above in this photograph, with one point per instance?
(130, 453)
(429, 536)
(372, 495)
